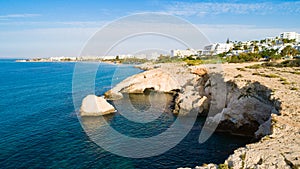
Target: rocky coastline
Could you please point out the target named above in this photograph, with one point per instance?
(254, 106)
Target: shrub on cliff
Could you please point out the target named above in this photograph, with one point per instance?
(287, 63)
(244, 57)
(168, 59)
(193, 62)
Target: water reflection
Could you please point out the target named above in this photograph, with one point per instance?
(94, 123)
(144, 108)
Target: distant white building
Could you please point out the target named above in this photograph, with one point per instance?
(236, 52)
(217, 48)
(107, 57)
(62, 58)
(290, 36)
(183, 53)
(125, 56)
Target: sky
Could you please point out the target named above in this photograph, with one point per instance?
(42, 28)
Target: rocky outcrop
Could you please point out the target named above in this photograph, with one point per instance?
(247, 110)
(244, 110)
(165, 79)
(95, 106)
(250, 108)
(156, 80)
(191, 97)
(279, 148)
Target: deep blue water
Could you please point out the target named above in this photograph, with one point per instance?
(39, 127)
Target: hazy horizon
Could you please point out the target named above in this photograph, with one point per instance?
(56, 28)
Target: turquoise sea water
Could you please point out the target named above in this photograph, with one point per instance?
(39, 127)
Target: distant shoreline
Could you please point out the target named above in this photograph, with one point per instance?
(65, 61)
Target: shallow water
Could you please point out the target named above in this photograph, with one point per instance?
(39, 127)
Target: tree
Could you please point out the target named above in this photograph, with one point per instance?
(288, 40)
(275, 57)
(273, 42)
(256, 49)
(236, 47)
(270, 54)
(263, 41)
(227, 41)
(289, 51)
(117, 57)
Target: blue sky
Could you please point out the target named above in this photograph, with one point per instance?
(42, 28)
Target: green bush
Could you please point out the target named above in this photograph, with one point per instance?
(272, 76)
(256, 66)
(241, 69)
(265, 75)
(238, 76)
(223, 166)
(294, 88)
(168, 59)
(244, 57)
(290, 63)
(193, 62)
(286, 63)
(285, 83)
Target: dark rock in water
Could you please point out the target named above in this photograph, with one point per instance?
(244, 130)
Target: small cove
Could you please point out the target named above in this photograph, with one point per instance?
(39, 126)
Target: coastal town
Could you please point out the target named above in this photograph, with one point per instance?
(233, 48)
(284, 46)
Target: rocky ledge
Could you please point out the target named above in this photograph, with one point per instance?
(245, 110)
(274, 93)
(160, 78)
(261, 107)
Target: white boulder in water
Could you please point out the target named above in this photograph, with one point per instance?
(95, 106)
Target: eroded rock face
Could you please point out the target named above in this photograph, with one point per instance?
(244, 116)
(241, 110)
(95, 106)
(191, 98)
(155, 79)
(247, 111)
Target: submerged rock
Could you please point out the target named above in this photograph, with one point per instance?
(95, 106)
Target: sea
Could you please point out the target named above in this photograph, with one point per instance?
(39, 126)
